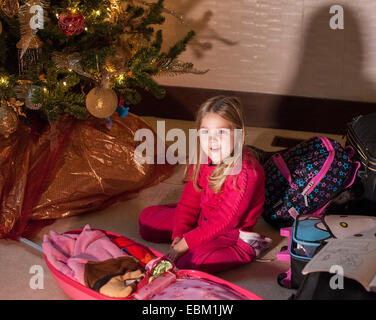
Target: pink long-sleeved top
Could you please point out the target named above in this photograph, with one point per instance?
(201, 216)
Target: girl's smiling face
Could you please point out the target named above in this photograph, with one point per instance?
(216, 137)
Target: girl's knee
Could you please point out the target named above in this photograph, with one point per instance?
(155, 224)
(146, 214)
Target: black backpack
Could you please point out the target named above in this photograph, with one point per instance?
(361, 135)
(316, 286)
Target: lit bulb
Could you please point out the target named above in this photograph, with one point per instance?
(4, 80)
(45, 89)
(98, 13)
(64, 83)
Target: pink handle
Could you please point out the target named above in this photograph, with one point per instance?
(357, 163)
(281, 165)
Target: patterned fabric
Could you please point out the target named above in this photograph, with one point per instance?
(316, 175)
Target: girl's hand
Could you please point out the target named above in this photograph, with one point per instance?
(177, 250)
(175, 241)
(181, 246)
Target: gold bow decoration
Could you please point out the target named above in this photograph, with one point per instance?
(8, 119)
(9, 7)
(15, 104)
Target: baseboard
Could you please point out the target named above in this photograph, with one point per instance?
(261, 109)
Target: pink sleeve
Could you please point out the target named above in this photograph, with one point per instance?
(233, 206)
(187, 209)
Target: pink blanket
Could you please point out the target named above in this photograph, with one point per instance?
(69, 253)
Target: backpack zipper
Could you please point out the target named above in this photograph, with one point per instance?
(315, 180)
(304, 193)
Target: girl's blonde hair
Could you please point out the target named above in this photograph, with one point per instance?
(231, 109)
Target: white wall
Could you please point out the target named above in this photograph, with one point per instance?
(278, 46)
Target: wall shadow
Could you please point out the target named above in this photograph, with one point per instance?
(205, 35)
(331, 69)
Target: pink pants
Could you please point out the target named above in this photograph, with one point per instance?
(223, 253)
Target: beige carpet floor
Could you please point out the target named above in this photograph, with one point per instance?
(17, 259)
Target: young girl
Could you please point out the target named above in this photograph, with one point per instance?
(211, 227)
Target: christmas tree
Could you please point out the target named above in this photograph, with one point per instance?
(82, 57)
(69, 71)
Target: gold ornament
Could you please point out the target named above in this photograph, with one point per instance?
(8, 120)
(9, 7)
(101, 102)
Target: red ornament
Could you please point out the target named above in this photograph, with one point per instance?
(71, 22)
